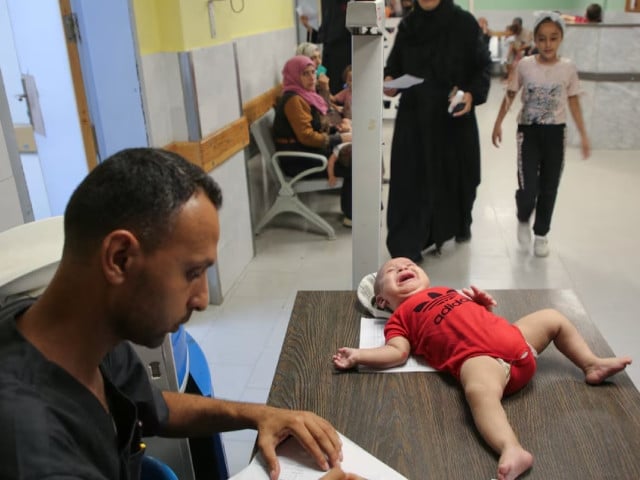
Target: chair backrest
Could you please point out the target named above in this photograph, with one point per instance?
(262, 130)
(154, 469)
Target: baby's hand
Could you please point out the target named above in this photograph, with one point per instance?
(345, 358)
(480, 297)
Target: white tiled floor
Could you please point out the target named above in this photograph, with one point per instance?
(594, 240)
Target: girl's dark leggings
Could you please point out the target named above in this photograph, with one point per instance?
(540, 163)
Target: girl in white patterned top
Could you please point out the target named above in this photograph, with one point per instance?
(549, 83)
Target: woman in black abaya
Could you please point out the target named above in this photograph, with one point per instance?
(435, 156)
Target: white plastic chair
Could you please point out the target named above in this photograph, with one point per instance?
(287, 199)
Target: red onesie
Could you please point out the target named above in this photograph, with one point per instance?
(448, 328)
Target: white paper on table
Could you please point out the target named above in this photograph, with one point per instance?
(405, 81)
(297, 464)
(372, 335)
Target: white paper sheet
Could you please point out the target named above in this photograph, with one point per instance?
(297, 464)
(372, 335)
(405, 81)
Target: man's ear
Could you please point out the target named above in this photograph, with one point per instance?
(120, 249)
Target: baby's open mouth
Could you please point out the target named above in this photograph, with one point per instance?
(405, 276)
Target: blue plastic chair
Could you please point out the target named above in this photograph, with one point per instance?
(192, 369)
(154, 469)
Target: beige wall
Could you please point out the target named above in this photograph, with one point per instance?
(244, 60)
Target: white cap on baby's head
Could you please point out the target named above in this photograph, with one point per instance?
(541, 15)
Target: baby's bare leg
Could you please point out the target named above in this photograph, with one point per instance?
(483, 380)
(544, 326)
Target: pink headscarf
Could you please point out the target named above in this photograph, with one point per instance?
(291, 82)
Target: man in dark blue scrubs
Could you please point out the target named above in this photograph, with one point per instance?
(75, 400)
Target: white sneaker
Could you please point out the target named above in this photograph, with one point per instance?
(541, 246)
(524, 234)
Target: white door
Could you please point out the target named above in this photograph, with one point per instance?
(44, 64)
(108, 60)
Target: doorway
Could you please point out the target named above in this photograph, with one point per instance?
(84, 101)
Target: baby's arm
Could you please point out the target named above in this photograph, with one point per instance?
(394, 353)
(480, 297)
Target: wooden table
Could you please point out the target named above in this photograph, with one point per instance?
(419, 424)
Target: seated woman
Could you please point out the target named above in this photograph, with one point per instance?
(301, 124)
(312, 51)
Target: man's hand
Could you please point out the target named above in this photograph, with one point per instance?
(345, 358)
(480, 297)
(314, 433)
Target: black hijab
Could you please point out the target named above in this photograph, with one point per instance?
(425, 25)
(430, 31)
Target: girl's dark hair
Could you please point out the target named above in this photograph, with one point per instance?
(137, 189)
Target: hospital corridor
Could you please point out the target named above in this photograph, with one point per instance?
(202, 88)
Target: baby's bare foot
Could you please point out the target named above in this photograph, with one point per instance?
(604, 368)
(513, 462)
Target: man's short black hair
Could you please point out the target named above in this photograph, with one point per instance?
(137, 189)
